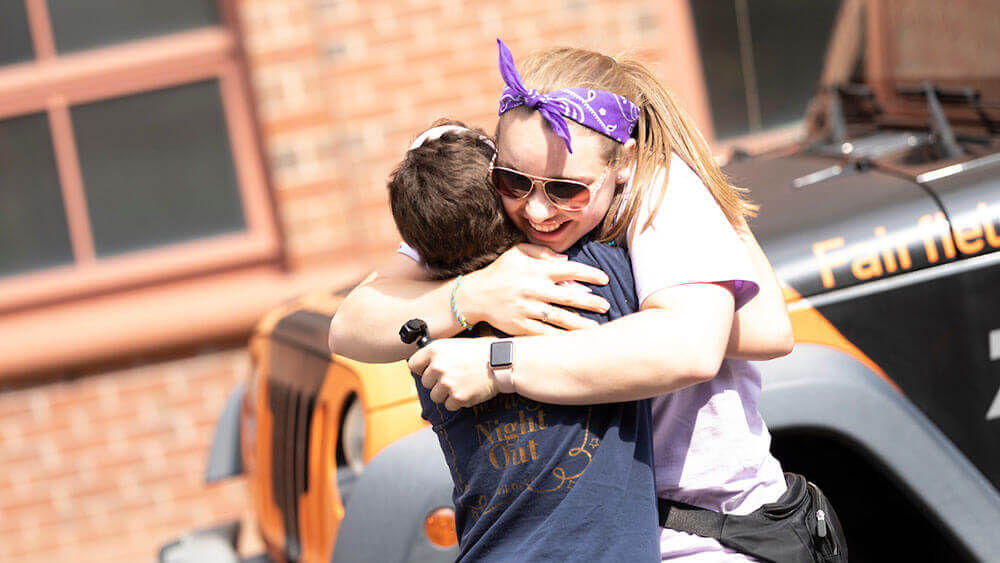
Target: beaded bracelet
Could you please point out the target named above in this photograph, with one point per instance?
(454, 308)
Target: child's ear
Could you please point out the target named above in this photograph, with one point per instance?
(624, 172)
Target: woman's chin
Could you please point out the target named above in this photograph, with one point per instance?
(557, 240)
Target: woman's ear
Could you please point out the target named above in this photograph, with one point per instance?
(627, 156)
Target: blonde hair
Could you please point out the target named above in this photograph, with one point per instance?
(663, 128)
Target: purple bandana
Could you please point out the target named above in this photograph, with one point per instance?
(609, 114)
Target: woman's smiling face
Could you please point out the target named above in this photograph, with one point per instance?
(527, 143)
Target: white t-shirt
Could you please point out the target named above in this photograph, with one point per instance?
(711, 447)
(689, 241)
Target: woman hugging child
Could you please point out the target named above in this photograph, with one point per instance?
(590, 149)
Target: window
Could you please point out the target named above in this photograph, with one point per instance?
(762, 59)
(127, 148)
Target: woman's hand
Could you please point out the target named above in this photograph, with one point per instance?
(516, 293)
(456, 370)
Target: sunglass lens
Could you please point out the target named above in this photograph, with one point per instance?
(511, 184)
(568, 195)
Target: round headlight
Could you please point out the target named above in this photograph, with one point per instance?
(440, 527)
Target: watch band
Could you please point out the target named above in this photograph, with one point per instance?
(504, 378)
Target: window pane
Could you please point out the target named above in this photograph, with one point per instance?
(81, 24)
(158, 168)
(789, 42)
(15, 40)
(33, 231)
(718, 44)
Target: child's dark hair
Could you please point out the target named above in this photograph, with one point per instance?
(444, 206)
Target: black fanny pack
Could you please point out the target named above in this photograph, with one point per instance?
(800, 527)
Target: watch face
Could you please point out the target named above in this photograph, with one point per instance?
(501, 354)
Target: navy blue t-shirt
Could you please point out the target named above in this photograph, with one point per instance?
(541, 482)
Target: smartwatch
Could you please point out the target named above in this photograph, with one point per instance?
(502, 364)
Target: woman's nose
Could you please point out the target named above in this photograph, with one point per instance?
(538, 208)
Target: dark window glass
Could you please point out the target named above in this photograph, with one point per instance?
(787, 40)
(158, 168)
(33, 231)
(82, 24)
(718, 44)
(15, 40)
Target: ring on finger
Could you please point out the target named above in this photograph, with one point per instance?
(545, 314)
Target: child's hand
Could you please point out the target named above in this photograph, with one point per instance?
(456, 370)
(516, 293)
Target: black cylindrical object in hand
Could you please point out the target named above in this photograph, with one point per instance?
(415, 330)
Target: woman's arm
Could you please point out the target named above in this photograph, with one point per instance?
(509, 294)
(677, 340)
(762, 329)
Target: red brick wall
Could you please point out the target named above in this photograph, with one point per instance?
(109, 466)
(345, 85)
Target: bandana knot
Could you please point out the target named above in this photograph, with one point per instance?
(534, 99)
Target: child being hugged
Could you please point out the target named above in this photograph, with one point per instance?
(533, 481)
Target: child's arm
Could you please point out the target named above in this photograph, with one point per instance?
(511, 294)
(762, 329)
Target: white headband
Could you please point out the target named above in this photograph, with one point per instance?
(434, 133)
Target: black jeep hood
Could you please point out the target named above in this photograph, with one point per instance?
(851, 228)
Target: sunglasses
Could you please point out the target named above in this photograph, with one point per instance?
(568, 195)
